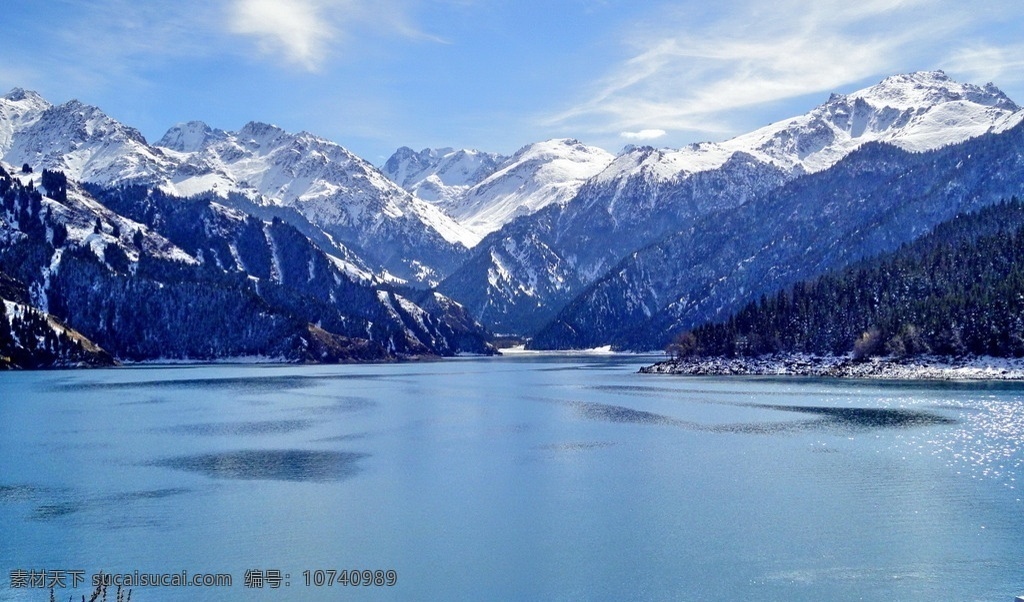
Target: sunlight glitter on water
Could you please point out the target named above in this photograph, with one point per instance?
(987, 443)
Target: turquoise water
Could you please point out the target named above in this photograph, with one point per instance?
(522, 478)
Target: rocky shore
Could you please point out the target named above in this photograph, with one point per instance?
(914, 368)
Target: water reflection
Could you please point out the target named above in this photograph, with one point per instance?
(830, 418)
(19, 493)
(865, 418)
(576, 446)
(274, 465)
(263, 427)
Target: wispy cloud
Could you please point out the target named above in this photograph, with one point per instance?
(643, 135)
(983, 62)
(306, 32)
(294, 29)
(689, 73)
(97, 45)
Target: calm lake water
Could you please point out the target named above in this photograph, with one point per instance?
(520, 478)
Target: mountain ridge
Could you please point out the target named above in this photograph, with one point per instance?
(647, 193)
(556, 221)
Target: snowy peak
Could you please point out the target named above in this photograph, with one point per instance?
(83, 142)
(915, 111)
(258, 136)
(190, 137)
(24, 101)
(18, 108)
(929, 88)
(86, 123)
(439, 175)
(484, 191)
(329, 188)
(536, 176)
(333, 189)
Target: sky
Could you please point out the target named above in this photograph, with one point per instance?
(494, 75)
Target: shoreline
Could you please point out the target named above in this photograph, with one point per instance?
(973, 368)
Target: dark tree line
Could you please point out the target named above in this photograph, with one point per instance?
(29, 340)
(957, 290)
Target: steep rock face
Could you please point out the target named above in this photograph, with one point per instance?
(149, 276)
(872, 201)
(333, 189)
(647, 193)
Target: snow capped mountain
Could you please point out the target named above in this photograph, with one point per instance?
(334, 189)
(148, 275)
(871, 202)
(916, 112)
(546, 225)
(191, 137)
(538, 175)
(439, 175)
(18, 109)
(81, 141)
(645, 194)
(398, 236)
(484, 191)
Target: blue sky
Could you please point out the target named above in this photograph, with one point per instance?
(374, 75)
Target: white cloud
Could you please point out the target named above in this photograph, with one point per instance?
(988, 63)
(296, 29)
(643, 134)
(305, 32)
(688, 74)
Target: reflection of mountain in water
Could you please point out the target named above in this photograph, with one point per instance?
(828, 418)
(273, 465)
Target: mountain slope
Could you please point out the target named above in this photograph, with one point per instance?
(150, 276)
(333, 189)
(32, 339)
(645, 194)
(395, 234)
(871, 202)
(484, 192)
(958, 289)
(536, 176)
(439, 175)
(522, 275)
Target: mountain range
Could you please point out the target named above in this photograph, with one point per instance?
(560, 242)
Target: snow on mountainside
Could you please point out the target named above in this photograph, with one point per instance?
(646, 193)
(916, 111)
(334, 189)
(346, 197)
(148, 275)
(78, 139)
(191, 137)
(874, 200)
(536, 176)
(18, 109)
(483, 191)
(439, 175)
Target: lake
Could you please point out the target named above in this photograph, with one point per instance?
(516, 478)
